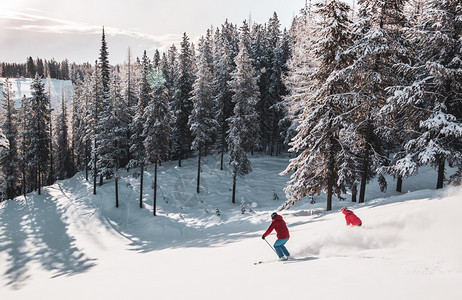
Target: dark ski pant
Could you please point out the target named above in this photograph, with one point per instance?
(281, 250)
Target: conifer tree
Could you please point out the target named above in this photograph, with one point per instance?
(9, 155)
(373, 55)
(24, 142)
(181, 105)
(223, 94)
(201, 121)
(117, 135)
(104, 147)
(39, 127)
(320, 143)
(137, 146)
(301, 66)
(130, 92)
(243, 125)
(63, 157)
(157, 130)
(93, 119)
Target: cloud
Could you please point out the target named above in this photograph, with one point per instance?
(34, 22)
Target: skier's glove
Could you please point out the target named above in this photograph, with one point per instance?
(263, 236)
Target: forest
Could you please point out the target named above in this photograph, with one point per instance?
(353, 94)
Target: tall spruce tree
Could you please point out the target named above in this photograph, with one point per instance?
(137, 140)
(201, 121)
(181, 105)
(157, 130)
(320, 142)
(104, 162)
(243, 125)
(93, 119)
(223, 94)
(301, 66)
(9, 155)
(373, 55)
(130, 92)
(39, 128)
(63, 155)
(24, 133)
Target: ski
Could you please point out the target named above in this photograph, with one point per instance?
(269, 261)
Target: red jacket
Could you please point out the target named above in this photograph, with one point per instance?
(282, 232)
(351, 218)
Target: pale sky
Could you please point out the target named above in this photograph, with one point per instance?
(72, 29)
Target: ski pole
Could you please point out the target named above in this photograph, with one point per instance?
(271, 246)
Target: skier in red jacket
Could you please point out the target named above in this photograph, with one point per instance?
(282, 233)
(351, 218)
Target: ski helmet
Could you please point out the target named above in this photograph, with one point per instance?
(273, 215)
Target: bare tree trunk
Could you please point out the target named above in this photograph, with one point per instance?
(141, 186)
(440, 182)
(234, 186)
(39, 181)
(362, 190)
(94, 171)
(222, 158)
(117, 190)
(354, 193)
(198, 171)
(155, 189)
(399, 184)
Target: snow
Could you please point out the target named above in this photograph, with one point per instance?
(4, 144)
(54, 87)
(70, 244)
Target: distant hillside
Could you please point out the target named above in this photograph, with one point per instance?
(55, 87)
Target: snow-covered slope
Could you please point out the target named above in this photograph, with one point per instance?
(54, 87)
(70, 244)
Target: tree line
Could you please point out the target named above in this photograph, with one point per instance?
(190, 100)
(51, 68)
(355, 95)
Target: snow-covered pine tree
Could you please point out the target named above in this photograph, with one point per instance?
(104, 150)
(77, 118)
(156, 59)
(206, 47)
(276, 88)
(24, 139)
(39, 128)
(181, 105)
(92, 120)
(117, 135)
(429, 104)
(123, 115)
(202, 122)
(243, 125)
(82, 117)
(63, 155)
(259, 53)
(374, 53)
(8, 141)
(224, 106)
(320, 142)
(130, 92)
(157, 128)
(137, 140)
(300, 66)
